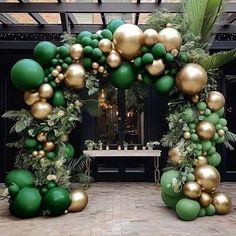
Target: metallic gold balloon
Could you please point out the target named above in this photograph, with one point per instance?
(95, 65)
(195, 98)
(215, 100)
(200, 160)
(191, 79)
(31, 97)
(175, 155)
(101, 69)
(175, 52)
(150, 37)
(61, 76)
(55, 73)
(35, 153)
(187, 135)
(41, 153)
(105, 45)
(222, 203)
(221, 132)
(171, 38)
(79, 200)
(208, 177)
(40, 110)
(76, 51)
(74, 76)
(114, 60)
(58, 68)
(45, 91)
(128, 40)
(205, 130)
(156, 68)
(192, 190)
(49, 146)
(42, 137)
(205, 199)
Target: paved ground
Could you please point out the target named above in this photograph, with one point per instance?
(130, 209)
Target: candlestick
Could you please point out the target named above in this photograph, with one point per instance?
(119, 147)
(107, 147)
(135, 148)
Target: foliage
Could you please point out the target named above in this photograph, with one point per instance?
(69, 39)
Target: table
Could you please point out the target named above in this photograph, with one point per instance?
(127, 153)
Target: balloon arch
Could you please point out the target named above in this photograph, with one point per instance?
(123, 54)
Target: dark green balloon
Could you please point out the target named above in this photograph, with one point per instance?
(51, 185)
(164, 84)
(87, 63)
(213, 118)
(202, 212)
(27, 203)
(58, 98)
(27, 74)
(124, 76)
(187, 209)
(21, 177)
(169, 200)
(69, 151)
(30, 142)
(158, 50)
(56, 201)
(64, 51)
(13, 190)
(114, 24)
(147, 79)
(44, 52)
(82, 35)
(138, 62)
(51, 155)
(147, 58)
(107, 34)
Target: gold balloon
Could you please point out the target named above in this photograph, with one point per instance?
(60, 76)
(222, 203)
(192, 190)
(128, 40)
(42, 137)
(49, 146)
(191, 79)
(31, 97)
(79, 200)
(175, 52)
(195, 98)
(215, 100)
(113, 60)
(76, 51)
(156, 68)
(45, 91)
(175, 155)
(41, 153)
(105, 45)
(40, 110)
(221, 132)
(200, 160)
(101, 69)
(171, 39)
(95, 65)
(205, 199)
(208, 177)
(150, 37)
(35, 153)
(58, 68)
(205, 130)
(187, 135)
(74, 76)
(55, 73)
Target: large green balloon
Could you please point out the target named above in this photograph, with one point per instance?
(44, 52)
(27, 203)
(69, 151)
(124, 76)
(214, 159)
(187, 209)
(164, 84)
(58, 98)
(213, 118)
(22, 178)
(166, 183)
(114, 24)
(27, 74)
(56, 201)
(170, 201)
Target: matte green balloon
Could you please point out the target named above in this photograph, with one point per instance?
(202, 212)
(51, 155)
(147, 58)
(56, 201)
(206, 145)
(27, 74)
(114, 24)
(27, 203)
(221, 112)
(13, 190)
(69, 151)
(210, 210)
(58, 98)
(82, 35)
(190, 177)
(214, 159)
(158, 50)
(30, 142)
(187, 209)
(64, 51)
(107, 34)
(213, 118)
(44, 52)
(187, 115)
(147, 79)
(211, 151)
(164, 84)
(169, 200)
(124, 76)
(21, 177)
(201, 106)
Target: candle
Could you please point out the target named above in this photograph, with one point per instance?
(119, 147)
(107, 147)
(144, 148)
(135, 148)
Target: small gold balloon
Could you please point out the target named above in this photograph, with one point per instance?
(200, 160)
(49, 146)
(79, 200)
(168, 25)
(175, 155)
(66, 212)
(208, 177)
(175, 52)
(128, 40)
(156, 68)
(55, 73)
(95, 65)
(60, 76)
(171, 38)
(192, 190)
(150, 37)
(74, 76)
(45, 91)
(187, 135)
(205, 199)
(215, 100)
(57, 81)
(114, 60)
(101, 69)
(76, 51)
(41, 153)
(64, 138)
(221, 132)
(191, 79)
(42, 137)
(58, 68)
(35, 153)
(40, 110)
(205, 130)
(195, 98)
(105, 45)
(201, 112)
(31, 97)
(222, 203)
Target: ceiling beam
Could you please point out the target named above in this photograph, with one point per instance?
(65, 24)
(137, 14)
(231, 18)
(102, 15)
(5, 20)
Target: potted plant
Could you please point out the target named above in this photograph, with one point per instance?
(90, 144)
(152, 144)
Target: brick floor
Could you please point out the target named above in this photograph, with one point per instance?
(133, 209)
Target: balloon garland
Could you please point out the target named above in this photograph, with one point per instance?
(122, 53)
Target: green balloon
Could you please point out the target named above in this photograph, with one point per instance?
(144, 49)
(21, 177)
(213, 118)
(172, 71)
(64, 51)
(107, 34)
(183, 57)
(30, 142)
(51, 155)
(220, 139)
(102, 60)
(223, 122)
(58, 98)
(147, 79)
(166, 183)
(147, 58)
(190, 177)
(82, 35)
(206, 145)
(194, 137)
(207, 112)
(27, 74)
(187, 209)
(13, 190)
(86, 41)
(214, 159)
(51, 185)
(164, 84)
(44, 52)
(87, 63)
(56, 201)
(94, 43)
(27, 203)
(187, 115)
(202, 212)
(114, 24)
(211, 151)
(88, 50)
(158, 50)
(210, 210)
(170, 201)
(201, 106)
(96, 53)
(138, 62)
(124, 76)
(69, 151)
(43, 190)
(221, 112)
(68, 60)
(168, 57)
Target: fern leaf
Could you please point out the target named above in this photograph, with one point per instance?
(231, 137)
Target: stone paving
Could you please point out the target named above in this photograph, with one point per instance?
(129, 209)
